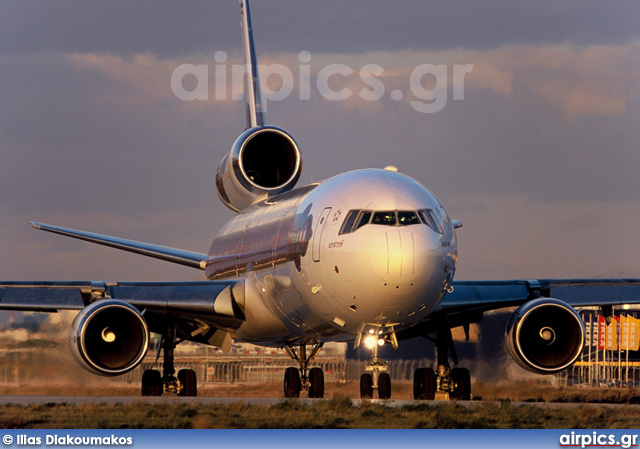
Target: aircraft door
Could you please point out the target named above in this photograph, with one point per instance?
(317, 235)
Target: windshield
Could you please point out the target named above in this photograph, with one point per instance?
(356, 219)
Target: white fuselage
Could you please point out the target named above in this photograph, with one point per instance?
(369, 250)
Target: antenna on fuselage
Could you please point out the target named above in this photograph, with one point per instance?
(252, 93)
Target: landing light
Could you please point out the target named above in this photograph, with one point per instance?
(381, 342)
(370, 341)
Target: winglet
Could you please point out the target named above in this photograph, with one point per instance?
(253, 95)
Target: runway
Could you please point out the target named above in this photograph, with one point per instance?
(205, 400)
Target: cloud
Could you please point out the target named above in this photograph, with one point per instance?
(144, 74)
(593, 80)
(579, 81)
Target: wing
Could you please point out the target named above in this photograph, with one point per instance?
(198, 308)
(182, 257)
(545, 334)
(470, 299)
(489, 295)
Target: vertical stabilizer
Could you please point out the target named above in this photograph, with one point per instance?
(253, 96)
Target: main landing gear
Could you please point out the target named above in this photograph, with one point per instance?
(155, 385)
(296, 379)
(444, 383)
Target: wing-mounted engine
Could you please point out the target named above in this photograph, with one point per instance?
(109, 337)
(545, 335)
(263, 161)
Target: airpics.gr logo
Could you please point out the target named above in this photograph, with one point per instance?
(596, 439)
(370, 78)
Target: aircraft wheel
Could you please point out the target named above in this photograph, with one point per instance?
(187, 378)
(462, 377)
(366, 386)
(384, 386)
(424, 384)
(151, 383)
(316, 380)
(291, 383)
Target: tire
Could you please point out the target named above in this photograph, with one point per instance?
(291, 383)
(366, 386)
(424, 384)
(188, 381)
(316, 380)
(384, 386)
(151, 383)
(462, 377)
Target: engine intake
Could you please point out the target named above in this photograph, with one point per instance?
(263, 161)
(545, 335)
(109, 337)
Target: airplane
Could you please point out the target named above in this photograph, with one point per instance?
(367, 256)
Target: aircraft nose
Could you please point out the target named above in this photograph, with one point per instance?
(394, 257)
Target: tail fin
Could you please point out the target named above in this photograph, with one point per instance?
(253, 96)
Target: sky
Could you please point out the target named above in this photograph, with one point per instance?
(534, 148)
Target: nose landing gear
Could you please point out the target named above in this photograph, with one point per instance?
(376, 377)
(296, 380)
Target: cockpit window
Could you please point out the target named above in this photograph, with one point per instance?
(363, 219)
(384, 218)
(349, 221)
(356, 219)
(431, 219)
(406, 218)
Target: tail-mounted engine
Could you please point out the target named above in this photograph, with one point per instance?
(109, 337)
(545, 335)
(263, 161)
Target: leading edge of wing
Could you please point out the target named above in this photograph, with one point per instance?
(490, 295)
(218, 303)
(178, 256)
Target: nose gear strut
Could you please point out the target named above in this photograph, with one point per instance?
(376, 377)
